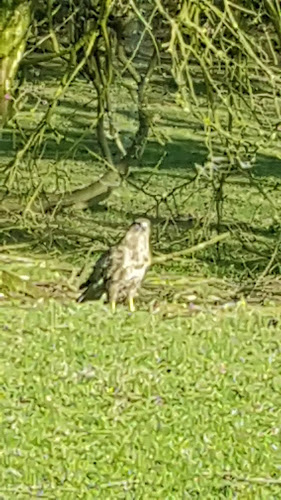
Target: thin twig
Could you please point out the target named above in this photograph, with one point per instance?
(189, 251)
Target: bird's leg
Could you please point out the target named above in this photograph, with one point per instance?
(131, 304)
(113, 305)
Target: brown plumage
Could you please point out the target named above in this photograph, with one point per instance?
(119, 271)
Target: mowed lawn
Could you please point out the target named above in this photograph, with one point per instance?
(139, 407)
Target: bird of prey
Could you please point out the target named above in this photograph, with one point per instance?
(120, 270)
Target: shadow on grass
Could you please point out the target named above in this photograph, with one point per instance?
(180, 153)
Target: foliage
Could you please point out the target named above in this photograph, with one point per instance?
(220, 54)
(231, 49)
(14, 25)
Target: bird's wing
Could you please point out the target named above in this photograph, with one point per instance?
(99, 270)
(95, 284)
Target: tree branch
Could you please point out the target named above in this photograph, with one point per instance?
(162, 259)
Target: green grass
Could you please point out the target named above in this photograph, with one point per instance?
(132, 406)
(176, 401)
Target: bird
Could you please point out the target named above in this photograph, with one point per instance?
(120, 271)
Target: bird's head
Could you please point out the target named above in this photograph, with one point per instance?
(141, 225)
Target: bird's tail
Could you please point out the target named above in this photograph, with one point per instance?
(82, 297)
(93, 292)
(85, 285)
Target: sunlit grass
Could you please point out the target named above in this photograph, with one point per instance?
(132, 406)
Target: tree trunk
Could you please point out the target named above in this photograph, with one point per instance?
(14, 24)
